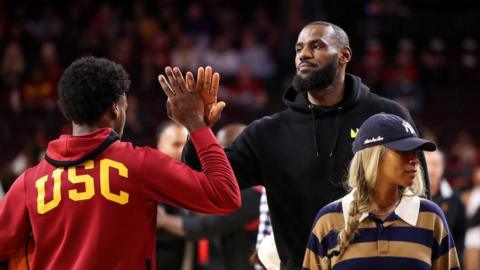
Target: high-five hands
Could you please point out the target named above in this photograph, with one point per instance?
(184, 103)
(206, 86)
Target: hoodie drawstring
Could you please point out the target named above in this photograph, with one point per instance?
(314, 125)
(337, 131)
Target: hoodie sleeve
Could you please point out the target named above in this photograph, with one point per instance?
(13, 220)
(242, 156)
(215, 190)
(196, 227)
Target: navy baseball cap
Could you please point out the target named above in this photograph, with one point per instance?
(391, 131)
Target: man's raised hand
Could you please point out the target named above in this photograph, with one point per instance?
(184, 104)
(207, 85)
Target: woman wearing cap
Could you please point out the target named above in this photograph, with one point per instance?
(383, 223)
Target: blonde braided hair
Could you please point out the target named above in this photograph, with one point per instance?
(361, 178)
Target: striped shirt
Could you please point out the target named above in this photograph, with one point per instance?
(265, 226)
(415, 236)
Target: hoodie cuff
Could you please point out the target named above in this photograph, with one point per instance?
(203, 138)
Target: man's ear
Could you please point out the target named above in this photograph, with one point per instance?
(115, 110)
(345, 55)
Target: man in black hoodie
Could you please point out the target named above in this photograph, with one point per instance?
(301, 154)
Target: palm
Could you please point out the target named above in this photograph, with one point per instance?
(207, 86)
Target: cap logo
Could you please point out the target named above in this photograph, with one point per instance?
(408, 127)
(375, 139)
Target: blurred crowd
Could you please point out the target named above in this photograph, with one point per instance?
(251, 45)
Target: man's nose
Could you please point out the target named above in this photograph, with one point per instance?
(305, 53)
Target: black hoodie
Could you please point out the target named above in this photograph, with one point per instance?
(301, 156)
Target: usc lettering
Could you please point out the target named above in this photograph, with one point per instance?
(88, 182)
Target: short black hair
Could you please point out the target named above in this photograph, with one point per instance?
(89, 86)
(340, 35)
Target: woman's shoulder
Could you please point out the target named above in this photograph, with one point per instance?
(334, 207)
(429, 206)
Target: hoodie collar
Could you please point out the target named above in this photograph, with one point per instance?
(408, 209)
(69, 150)
(354, 91)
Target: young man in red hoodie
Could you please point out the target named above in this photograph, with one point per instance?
(91, 202)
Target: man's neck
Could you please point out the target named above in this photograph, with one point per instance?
(330, 95)
(80, 130)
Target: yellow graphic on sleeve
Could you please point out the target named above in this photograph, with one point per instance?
(105, 165)
(353, 133)
(85, 179)
(43, 207)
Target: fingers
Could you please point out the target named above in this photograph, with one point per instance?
(179, 77)
(169, 109)
(215, 85)
(174, 82)
(200, 79)
(208, 79)
(216, 112)
(190, 82)
(165, 86)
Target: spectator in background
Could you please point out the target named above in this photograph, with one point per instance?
(160, 50)
(463, 158)
(472, 236)
(469, 62)
(469, 55)
(246, 93)
(12, 72)
(185, 55)
(256, 56)
(446, 198)
(222, 57)
(171, 137)
(49, 62)
(231, 237)
(48, 27)
(402, 79)
(173, 252)
(198, 25)
(123, 51)
(372, 66)
(434, 63)
(39, 93)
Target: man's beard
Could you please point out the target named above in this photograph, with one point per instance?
(318, 79)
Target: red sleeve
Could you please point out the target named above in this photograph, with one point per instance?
(14, 228)
(214, 191)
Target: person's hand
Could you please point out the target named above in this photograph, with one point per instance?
(184, 104)
(161, 213)
(207, 86)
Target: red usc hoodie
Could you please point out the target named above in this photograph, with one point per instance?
(91, 203)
